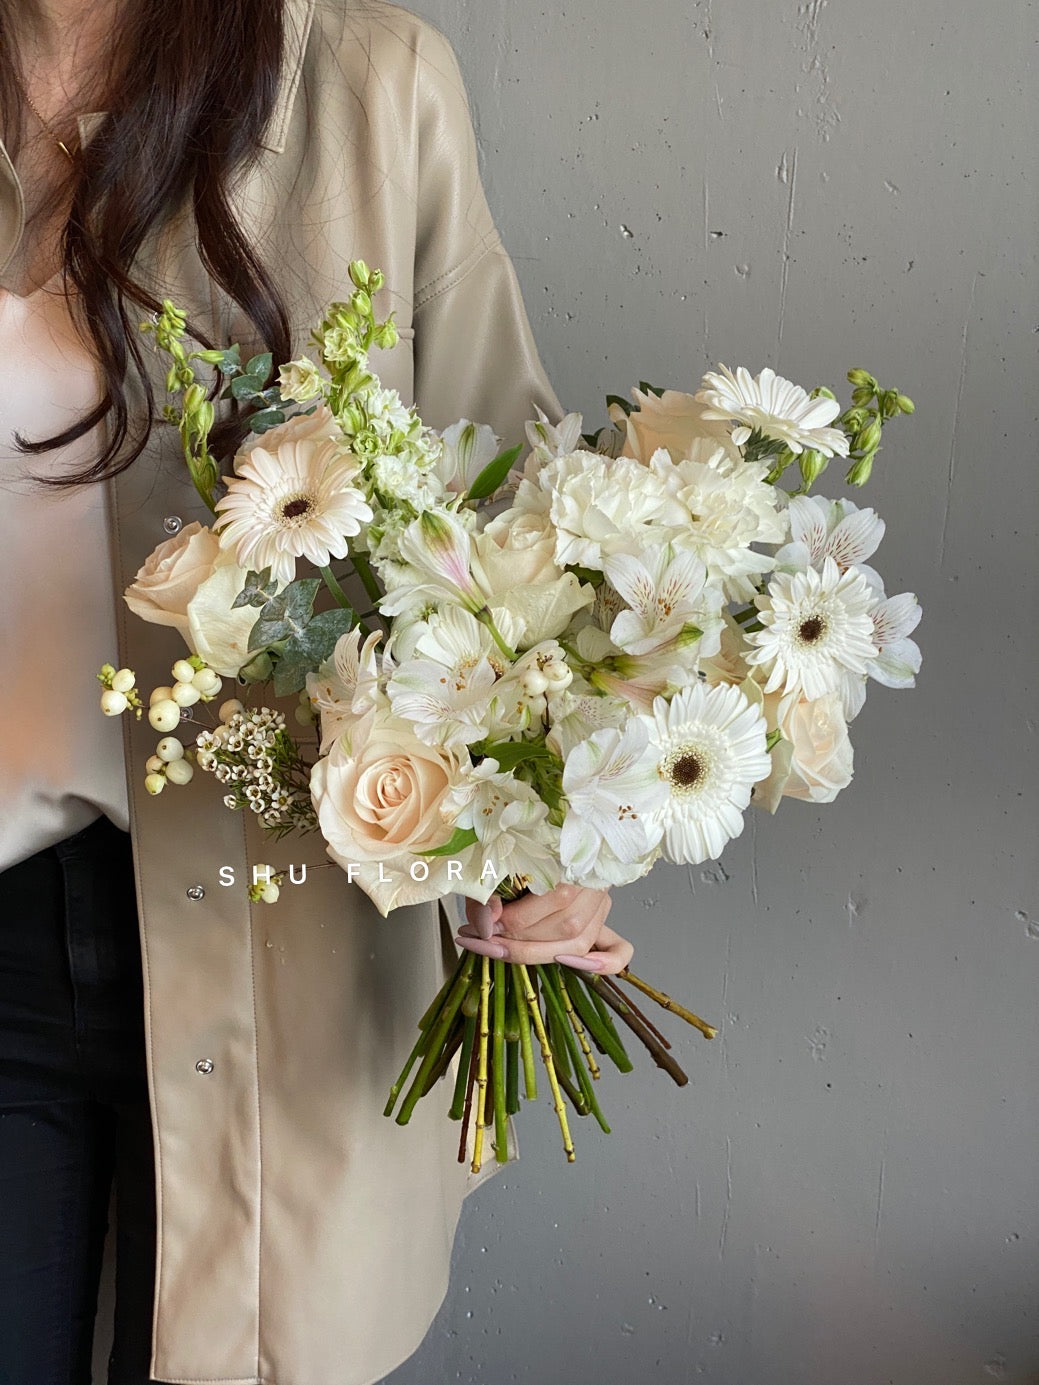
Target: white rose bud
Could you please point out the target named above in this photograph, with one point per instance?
(154, 765)
(164, 716)
(180, 771)
(185, 694)
(229, 708)
(169, 749)
(160, 695)
(183, 671)
(154, 783)
(112, 703)
(123, 680)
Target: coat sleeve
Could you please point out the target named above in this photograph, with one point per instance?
(475, 355)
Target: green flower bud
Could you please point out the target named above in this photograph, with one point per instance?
(194, 398)
(868, 439)
(905, 404)
(889, 404)
(386, 335)
(359, 274)
(376, 281)
(813, 464)
(862, 395)
(361, 303)
(821, 392)
(859, 472)
(862, 377)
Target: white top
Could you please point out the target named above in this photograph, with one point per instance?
(61, 760)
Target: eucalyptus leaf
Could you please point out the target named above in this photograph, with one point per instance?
(260, 366)
(493, 474)
(257, 591)
(245, 386)
(266, 419)
(286, 614)
(304, 652)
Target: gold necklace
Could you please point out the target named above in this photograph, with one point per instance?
(48, 127)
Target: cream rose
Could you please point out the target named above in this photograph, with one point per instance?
(815, 759)
(513, 562)
(216, 631)
(379, 796)
(172, 575)
(672, 420)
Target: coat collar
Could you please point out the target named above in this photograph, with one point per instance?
(299, 15)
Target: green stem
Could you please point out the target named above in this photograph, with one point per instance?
(437, 1035)
(484, 617)
(363, 568)
(530, 1080)
(501, 1147)
(603, 1033)
(659, 1054)
(341, 597)
(464, 1062)
(554, 1000)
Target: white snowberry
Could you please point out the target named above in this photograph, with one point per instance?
(164, 716)
(180, 771)
(185, 694)
(230, 708)
(169, 748)
(162, 694)
(123, 680)
(112, 703)
(154, 783)
(183, 671)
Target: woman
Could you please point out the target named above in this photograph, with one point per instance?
(234, 158)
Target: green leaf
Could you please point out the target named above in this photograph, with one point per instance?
(625, 404)
(493, 474)
(304, 652)
(266, 419)
(245, 386)
(647, 388)
(773, 738)
(257, 591)
(286, 614)
(586, 574)
(460, 839)
(260, 366)
(509, 754)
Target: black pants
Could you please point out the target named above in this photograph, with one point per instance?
(74, 1113)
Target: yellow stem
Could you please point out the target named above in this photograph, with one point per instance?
(546, 1054)
(481, 1076)
(707, 1030)
(586, 1048)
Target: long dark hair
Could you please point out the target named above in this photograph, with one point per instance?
(192, 87)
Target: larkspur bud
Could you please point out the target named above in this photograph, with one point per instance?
(170, 748)
(162, 694)
(359, 274)
(867, 439)
(889, 404)
(821, 392)
(861, 396)
(123, 680)
(112, 703)
(194, 398)
(861, 377)
(813, 464)
(182, 671)
(386, 336)
(859, 472)
(164, 716)
(229, 708)
(905, 404)
(361, 303)
(185, 694)
(154, 783)
(180, 771)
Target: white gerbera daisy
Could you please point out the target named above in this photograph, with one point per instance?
(710, 751)
(817, 628)
(773, 406)
(295, 501)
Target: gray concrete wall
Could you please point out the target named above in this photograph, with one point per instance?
(847, 1190)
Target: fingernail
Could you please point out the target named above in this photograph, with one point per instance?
(578, 963)
(480, 945)
(484, 920)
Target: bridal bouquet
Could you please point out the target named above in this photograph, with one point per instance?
(519, 676)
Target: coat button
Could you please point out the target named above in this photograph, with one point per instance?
(172, 524)
(204, 1066)
(196, 892)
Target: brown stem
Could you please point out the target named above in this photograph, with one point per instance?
(635, 1010)
(660, 1056)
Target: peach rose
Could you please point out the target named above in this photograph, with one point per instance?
(672, 420)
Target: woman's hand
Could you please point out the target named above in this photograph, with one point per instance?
(568, 925)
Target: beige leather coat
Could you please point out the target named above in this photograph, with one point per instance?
(303, 1237)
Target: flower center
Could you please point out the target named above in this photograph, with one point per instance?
(297, 507)
(811, 630)
(687, 769)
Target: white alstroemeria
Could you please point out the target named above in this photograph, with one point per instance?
(634, 678)
(511, 824)
(729, 663)
(709, 751)
(773, 406)
(613, 792)
(291, 499)
(669, 600)
(466, 449)
(898, 660)
(550, 440)
(600, 506)
(575, 716)
(837, 529)
(726, 507)
(817, 629)
(346, 686)
(444, 689)
(436, 545)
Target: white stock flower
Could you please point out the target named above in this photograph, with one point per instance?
(668, 599)
(726, 506)
(291, 499)
(511, 825)
(612, 791)
(817, 629)
(773, 406)
(837, 529)
(709, 752)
